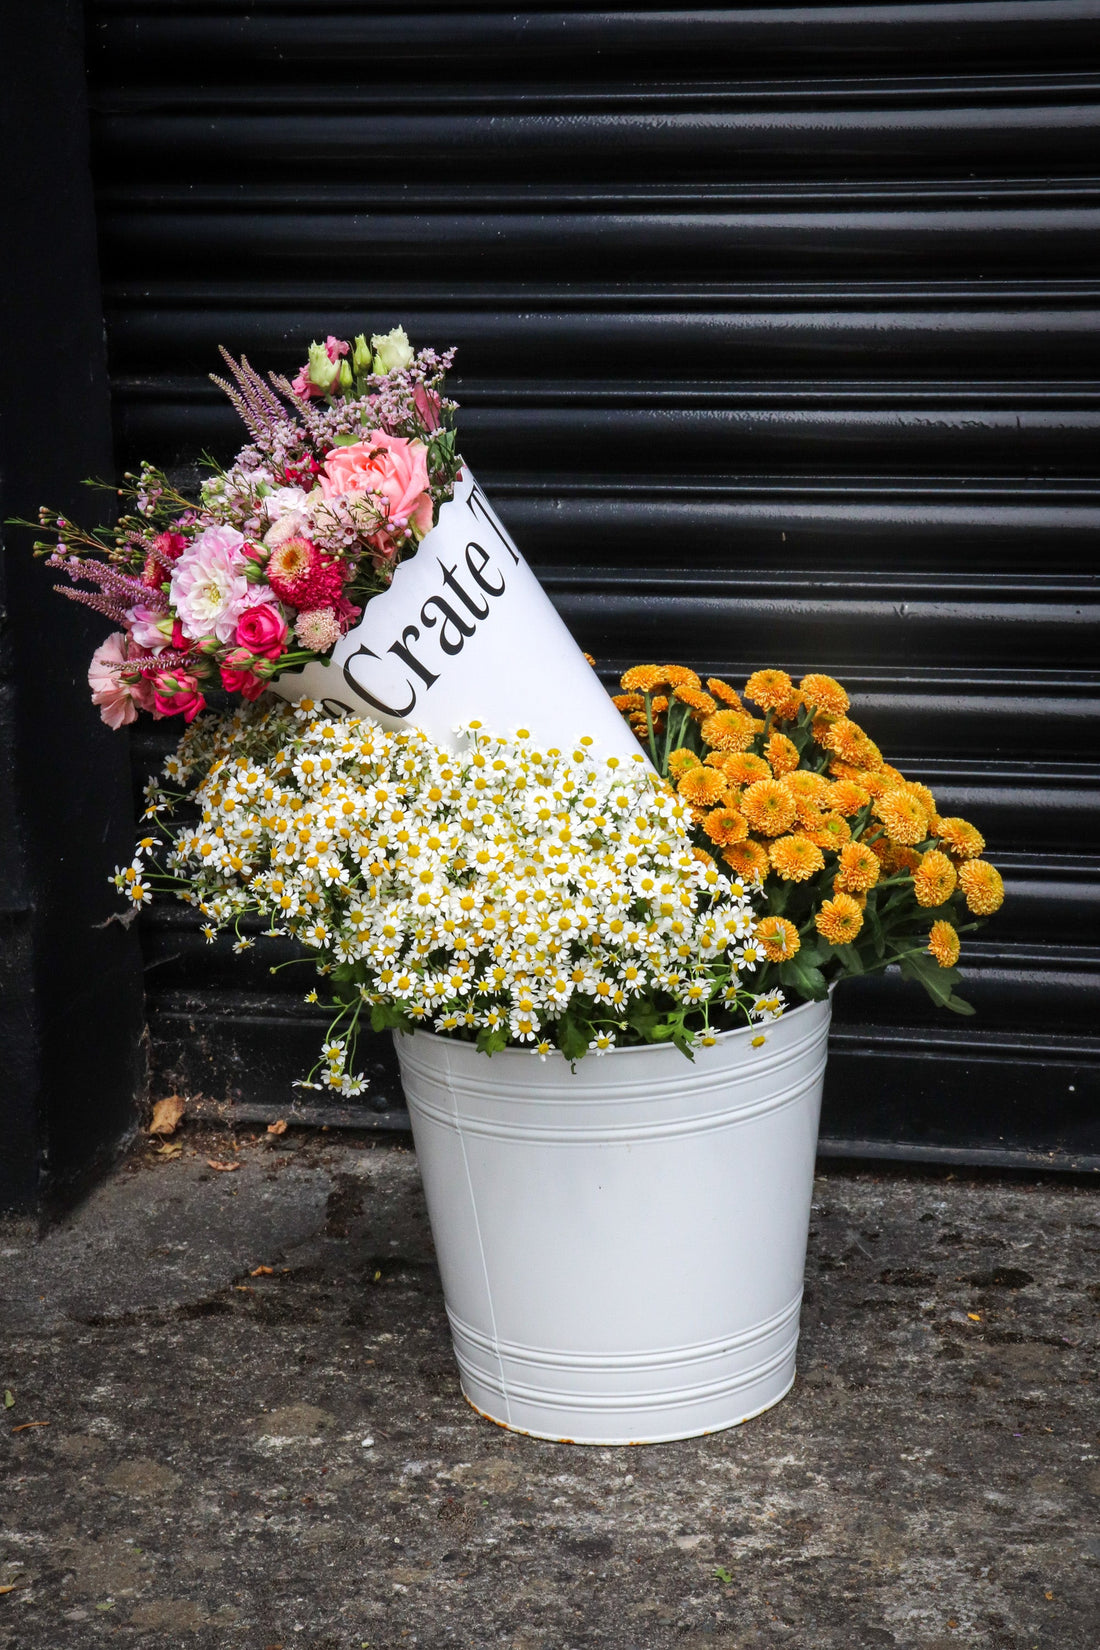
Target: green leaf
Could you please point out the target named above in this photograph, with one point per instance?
(804, 978)
(347, 439)
(9, 1399)
(849, 958)
(723, 1575)
(939, 982)
(572, 1037)
(492, 1041)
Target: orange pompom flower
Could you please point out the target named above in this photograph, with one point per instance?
(903, 816)
(848, 798)
(839, 920)
(796, 858)
(699, 703)
(943, 942)
(934, 878)
(642, 678)
(702, 787)
(777, 938)
(782, 753)
(859, 868)
(747, 860)
(768, 688)
(822, 693)
(740, 767)
(628, 701)
(769, 807)
(722, 691)
(829, 831)
(982, 885)
(963, 840)
(681, 762)
(729, 730)
(724, 826)
(680, 676)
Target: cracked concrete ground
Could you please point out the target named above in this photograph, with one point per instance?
(282, 1458)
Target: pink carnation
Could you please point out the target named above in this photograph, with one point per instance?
(119, 699)
(393, 471)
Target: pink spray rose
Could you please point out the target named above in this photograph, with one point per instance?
(150, 627)
(176, 693)
(119, 699)
(237, 675)
(393, 469)
(262, 630)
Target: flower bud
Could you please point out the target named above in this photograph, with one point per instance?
(345, 377)
(392, 351)
(361, 357)
(322, 371)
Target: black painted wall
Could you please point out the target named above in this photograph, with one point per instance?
(778, 343)
(71, 1012)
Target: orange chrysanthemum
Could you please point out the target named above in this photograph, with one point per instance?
(681, 762)
(897, 858)
(829, 831)
(859, 868)
(777, 938)
(920, 793)
(796, 858)
(729, 730)
(824, 694)
(740, 767)
(658, 704)
(839, 920)
(982, 885)
(903, 816)
(842, 736)
(768, 688)
(788, 710)
(848, 798)
(702, 856)
(934, 878)
(628, 701)
(769, 807)
(782, 753)
(747, 860)
(858, 895)
(643, 678)
(723, 692)
(699, 703)
(725, 826)
(680, 676)
(943, 942)
(702, 787)
(963, 840)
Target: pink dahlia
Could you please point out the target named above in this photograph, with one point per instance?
(302, 576)
(209, 590)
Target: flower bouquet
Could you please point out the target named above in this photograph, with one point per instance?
(346, 554)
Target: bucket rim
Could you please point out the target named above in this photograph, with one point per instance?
(464, 1046)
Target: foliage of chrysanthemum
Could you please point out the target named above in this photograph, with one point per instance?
(852, 858)
(509, 895)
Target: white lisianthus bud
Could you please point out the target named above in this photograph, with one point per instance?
(392, 351)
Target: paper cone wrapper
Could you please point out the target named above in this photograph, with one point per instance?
(465, 633)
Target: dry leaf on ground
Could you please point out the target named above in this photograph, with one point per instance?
(222, 1168)
(169, 1148)
(278, 1127)
(167, 1114)
(262, 1272)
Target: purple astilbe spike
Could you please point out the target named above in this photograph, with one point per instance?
(120, 588)
(160, 662)
(240, 407)
(97, 602)
(306, 414)
(263, 413)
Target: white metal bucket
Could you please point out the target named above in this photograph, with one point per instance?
(622, 1248)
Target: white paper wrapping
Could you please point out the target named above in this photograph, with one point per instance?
(465, 633)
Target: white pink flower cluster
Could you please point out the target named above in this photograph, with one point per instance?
(345, 473)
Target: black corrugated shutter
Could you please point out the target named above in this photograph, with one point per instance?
(778, 343)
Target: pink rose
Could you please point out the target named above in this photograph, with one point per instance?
(119, 691)
(237, 676)
(391, 468)
(176, 693)
(262, 630)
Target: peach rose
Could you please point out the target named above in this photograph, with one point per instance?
(390, 467)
